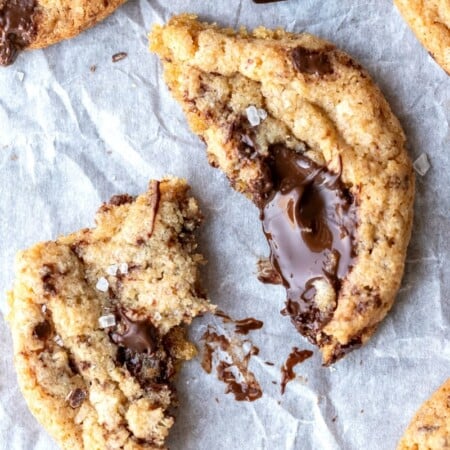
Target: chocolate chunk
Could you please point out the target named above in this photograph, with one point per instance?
(73, 365)
(48, 275)
(312, 62)
(140, 336)
(76, 397)
(120, 199)
(17, 27)
(309, 222)
(42, 330)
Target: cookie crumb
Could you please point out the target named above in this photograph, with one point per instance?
(107, 321)
(119, 56)
(102, 284)
(20, 76)
(93, 68)
(421, 164)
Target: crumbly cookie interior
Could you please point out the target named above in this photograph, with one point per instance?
(98, 316)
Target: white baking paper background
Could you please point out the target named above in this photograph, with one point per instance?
(71, 138)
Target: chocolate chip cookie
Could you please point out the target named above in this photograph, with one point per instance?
(430, 21)
(97, 320)
(430, 427)
(300, 128)
(31, 24)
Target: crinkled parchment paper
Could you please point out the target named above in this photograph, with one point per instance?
(70, 138)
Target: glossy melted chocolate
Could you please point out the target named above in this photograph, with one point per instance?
(309, 222)
(17, 27)
(138, 336)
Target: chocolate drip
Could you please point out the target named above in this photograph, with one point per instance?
(17, 27)
(287, 371)
(245, 325)
(309, 222)
(242, 391)
(244, 387)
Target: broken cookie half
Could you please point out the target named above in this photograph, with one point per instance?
(97, 319)
(32, 24)
(300, 128)
(430, 427)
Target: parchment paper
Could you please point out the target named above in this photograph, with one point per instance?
(70, 138)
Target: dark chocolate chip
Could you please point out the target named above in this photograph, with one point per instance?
(311, 62)
(42, 330)
(76, 398)
(48, 275)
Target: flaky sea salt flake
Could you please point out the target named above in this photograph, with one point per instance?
(58, 340)
(107, 321)
(262, 113)
(123, 268)
(112, 270)
(421, 164)
(102, 284)
(253, 116)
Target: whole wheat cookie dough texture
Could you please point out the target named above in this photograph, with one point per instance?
(97, 319)
(300, 128)
(31, 24)
(430, 21)
(430, 427)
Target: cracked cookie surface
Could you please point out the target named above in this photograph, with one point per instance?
(292, 120)
(430, 21)
(97, 319)
(430, 427)
(31, 24)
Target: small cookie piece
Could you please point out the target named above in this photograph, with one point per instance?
(97, 320)
(430, 21)
(301, 129)
(31, 24)
(430, 427)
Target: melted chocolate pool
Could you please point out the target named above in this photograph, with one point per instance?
(309, 221)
